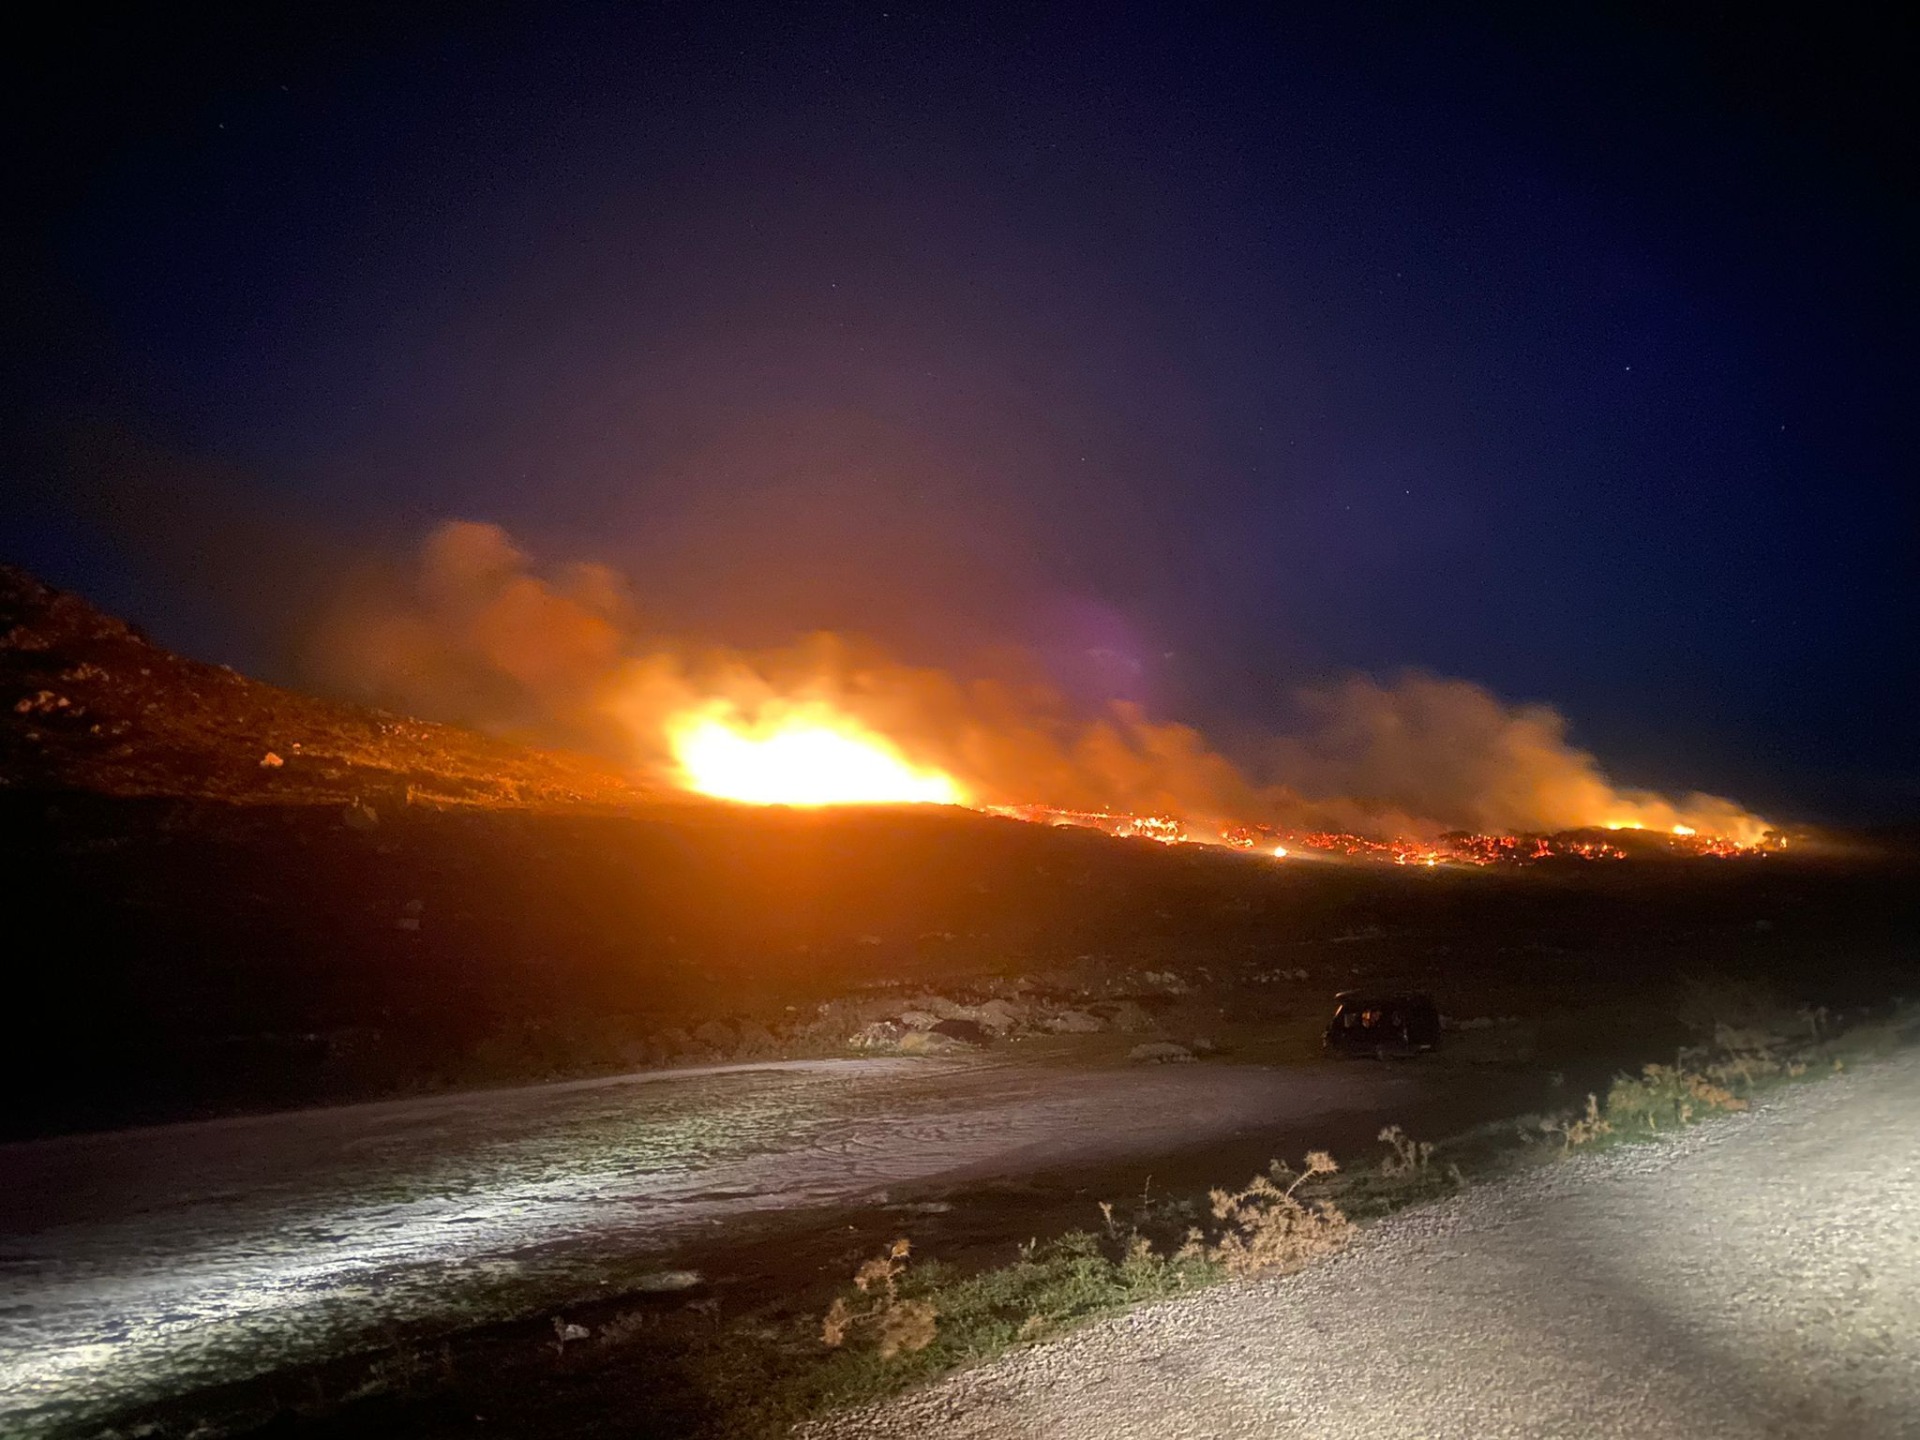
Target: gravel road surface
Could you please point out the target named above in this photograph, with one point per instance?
(145, 1262)
(1758, 1276)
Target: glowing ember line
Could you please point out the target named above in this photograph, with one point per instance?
(1457, 848)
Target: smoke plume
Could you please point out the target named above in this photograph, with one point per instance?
(478, 635)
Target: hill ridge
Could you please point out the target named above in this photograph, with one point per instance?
(89, 702)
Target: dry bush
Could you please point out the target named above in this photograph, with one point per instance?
(898, 1326)
(1750, 1055)
(1270, 1229)
(1580, 1130)
(1409, 1157)
(1669, 1093)
(906, 1326)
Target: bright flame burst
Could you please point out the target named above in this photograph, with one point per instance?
(800, 755)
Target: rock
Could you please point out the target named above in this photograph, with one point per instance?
(1002, 1017)
(1075, 1022)
(565, 1332)
(1160, 1052)
(967, 1032)
(918, 1019)
(1129, 1018)
(716, 1035)
(360, 817)
(666, 1282)
(271, 761)
(1274, 977)
(1166, 982)
(44, 702)
(880, 1035)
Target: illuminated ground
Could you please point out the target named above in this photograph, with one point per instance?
(148, 1262)
(1757, 1277)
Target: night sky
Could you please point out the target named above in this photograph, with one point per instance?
(1569, 350)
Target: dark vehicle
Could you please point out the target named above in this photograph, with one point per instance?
(1375, 1023)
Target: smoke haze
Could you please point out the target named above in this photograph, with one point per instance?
(479, 634)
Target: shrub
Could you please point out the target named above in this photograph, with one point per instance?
(1409, 1157)
(899, 1325)
(1669, 1094)
(1269, 1228)
(1581, 1130)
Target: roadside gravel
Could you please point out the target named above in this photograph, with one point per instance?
(1757, 1276)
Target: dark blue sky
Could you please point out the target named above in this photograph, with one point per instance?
(1571, 354)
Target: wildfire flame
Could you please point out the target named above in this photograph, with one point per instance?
(1416, 769)
(804, 754)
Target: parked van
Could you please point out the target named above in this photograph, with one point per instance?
(1370, 1022)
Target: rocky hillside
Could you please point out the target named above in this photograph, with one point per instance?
(88, 703)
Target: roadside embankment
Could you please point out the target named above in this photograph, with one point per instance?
(1759, 1275)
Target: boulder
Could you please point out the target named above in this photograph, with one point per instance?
(716, 1035)
(967, 1032)
(880, 1035)
(1075, 1022)
(1002, 1017)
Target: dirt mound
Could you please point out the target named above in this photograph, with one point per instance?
(87, 702)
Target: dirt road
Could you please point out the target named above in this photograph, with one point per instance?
(1758, 1276)
(141, 1263)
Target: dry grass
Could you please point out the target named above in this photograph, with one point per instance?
(1580, 1130)
(1762, 1043)
(1410, 1157)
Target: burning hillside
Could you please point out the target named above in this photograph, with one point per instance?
(1454, 847)
(477, 635)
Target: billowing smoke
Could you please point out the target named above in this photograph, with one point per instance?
(473, 635)
(477, 635)
(1427, 752)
